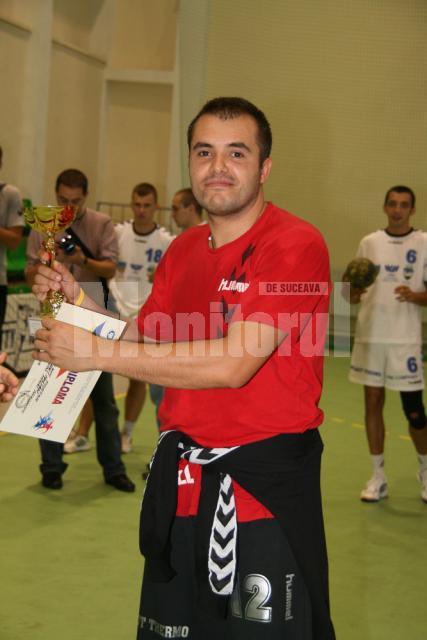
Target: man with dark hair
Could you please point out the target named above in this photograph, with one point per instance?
(400, 189)
(91, 261)
(230, 108)
(11, 227)
(74, 179)
(387, 347)
(145, 189)
(186, 211)
(239, 532)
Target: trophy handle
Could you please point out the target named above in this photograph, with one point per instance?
(54, 299)
(50, 246)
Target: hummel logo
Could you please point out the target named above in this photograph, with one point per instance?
(233, 285)
(392, 268)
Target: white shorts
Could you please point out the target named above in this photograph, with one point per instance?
(395, 366)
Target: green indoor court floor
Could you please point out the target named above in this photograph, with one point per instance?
(69, 562)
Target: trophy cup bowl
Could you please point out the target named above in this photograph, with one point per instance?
(48, 220)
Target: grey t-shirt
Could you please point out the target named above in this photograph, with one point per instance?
(10, 216)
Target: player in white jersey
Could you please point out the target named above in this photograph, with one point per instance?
(139, 255)
(142, 244)
(387, 347)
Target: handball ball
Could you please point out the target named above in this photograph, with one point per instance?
(361, 273)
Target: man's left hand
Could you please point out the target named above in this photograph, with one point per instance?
(405, 294)
(65, 346)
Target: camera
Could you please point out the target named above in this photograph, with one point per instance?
(67, 244)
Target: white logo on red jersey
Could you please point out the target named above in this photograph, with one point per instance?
(233, 285)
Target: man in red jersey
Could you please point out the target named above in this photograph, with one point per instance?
(234, 328)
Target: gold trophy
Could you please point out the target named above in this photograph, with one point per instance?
(48, 220)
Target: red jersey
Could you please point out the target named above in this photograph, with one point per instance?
(276, 273)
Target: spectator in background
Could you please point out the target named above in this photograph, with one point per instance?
(92, 261)
(186, 211)
(142, 244)
(11, 227)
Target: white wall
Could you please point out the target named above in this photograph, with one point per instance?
(63, 108)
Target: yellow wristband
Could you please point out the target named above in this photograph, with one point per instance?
(80, 298)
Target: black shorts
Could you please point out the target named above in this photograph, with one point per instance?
(269, 600)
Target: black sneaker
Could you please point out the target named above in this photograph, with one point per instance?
(52, 480)
(121, 482)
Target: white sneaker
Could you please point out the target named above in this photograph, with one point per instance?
(72, 435)
(422, 477)
(126, 442)
(79, 443)
(375, 490)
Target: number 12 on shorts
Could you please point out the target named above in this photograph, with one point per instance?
(256, 607)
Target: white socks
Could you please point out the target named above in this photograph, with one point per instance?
(378, 463)
(423, 462)
(128, 427)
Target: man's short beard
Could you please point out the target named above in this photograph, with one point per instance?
(229, 206)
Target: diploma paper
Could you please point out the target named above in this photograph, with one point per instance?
(50, 399)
